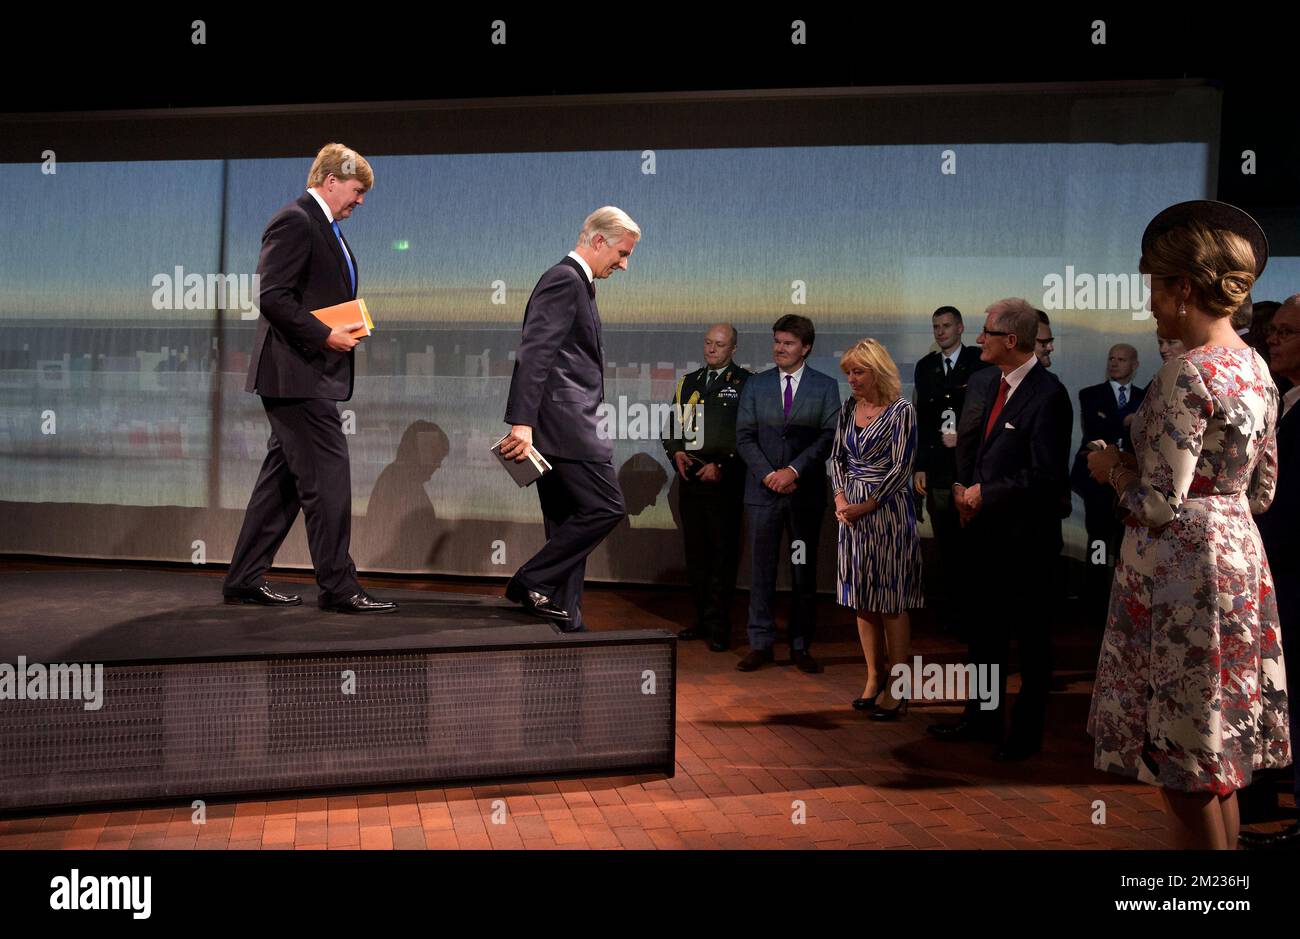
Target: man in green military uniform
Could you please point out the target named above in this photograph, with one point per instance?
(713, 483)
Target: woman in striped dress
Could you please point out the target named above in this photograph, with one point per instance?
(879, 573)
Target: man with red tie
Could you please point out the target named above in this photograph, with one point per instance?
(1013, 457)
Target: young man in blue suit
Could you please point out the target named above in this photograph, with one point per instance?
(785, 427)
(555, 392)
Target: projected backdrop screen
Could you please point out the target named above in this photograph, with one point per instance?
(122, 410)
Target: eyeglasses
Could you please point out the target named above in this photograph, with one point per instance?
(993, 332)
(1045, 340)
(1281, 332)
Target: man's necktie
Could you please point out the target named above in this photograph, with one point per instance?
(352, 271)
(789, 395)
(1003, 390)
(947, 366)
(713, 376)
(1123, 396)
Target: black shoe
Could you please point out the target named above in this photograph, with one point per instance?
(890, 714)
(690, 632)
(865, 704)
(358, 603)
(805, 662)
(719, 645)
(756, 659)
(539, 604)
(1013, 751)
(1286, 838)
(262, 594)
(962, 730)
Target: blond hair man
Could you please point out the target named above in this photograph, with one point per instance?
(302, 368)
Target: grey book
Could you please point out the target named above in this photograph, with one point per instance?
(523, 472)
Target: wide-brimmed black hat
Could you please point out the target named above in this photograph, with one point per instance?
(1211, 214)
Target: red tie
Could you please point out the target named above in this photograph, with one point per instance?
(1000, 400)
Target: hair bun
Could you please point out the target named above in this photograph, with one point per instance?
(1234, 286)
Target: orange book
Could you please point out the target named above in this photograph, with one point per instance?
(344, 314)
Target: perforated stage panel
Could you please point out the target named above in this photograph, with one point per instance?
(197, 729)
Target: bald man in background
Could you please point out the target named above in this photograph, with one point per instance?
(712, 492)
(1105, 413)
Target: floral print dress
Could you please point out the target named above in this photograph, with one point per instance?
(1190, 692)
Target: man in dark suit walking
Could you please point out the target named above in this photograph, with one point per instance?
(556, 388)
(1278, 530)
(939, 391)
(784, 432)
(1105, 413)
(1013, 452)
(302, 368)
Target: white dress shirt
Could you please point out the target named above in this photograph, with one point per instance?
(1289, 399)
(1116, 386)
(329, 217)
(795, 377)
(586, 268)
(1017, 375)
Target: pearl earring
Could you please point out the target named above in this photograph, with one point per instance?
(1182, 309)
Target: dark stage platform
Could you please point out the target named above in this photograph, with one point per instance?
(200, 699)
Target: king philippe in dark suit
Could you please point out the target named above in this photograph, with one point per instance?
(556, 388)
(1013, 452)
(302, 368)
(1103, 417)
(939, 384)
(784, 432)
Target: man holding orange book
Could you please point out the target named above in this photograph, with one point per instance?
(301, 368)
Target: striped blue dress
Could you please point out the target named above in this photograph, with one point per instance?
(880, 554)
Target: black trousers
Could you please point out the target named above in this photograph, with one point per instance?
(767, 523)
(581, 503)
(711, 520)
(1011, 598)
(1102, 525)
(946, 524)
(307, 468)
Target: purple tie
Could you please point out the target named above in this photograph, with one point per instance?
(789, 395)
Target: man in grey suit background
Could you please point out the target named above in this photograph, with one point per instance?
(556, 387)
(785, 427)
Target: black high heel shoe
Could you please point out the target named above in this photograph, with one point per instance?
(890, 714)
(866, 704)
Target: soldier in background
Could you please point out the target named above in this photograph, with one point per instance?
(713, 483)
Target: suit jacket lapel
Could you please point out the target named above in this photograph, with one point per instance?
(800, 396)
(312, 206)
(591, 305)
(356, 268)
(1025, 392)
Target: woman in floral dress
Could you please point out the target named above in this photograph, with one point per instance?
(1190, 693)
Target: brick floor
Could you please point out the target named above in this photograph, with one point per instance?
(770, 759)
